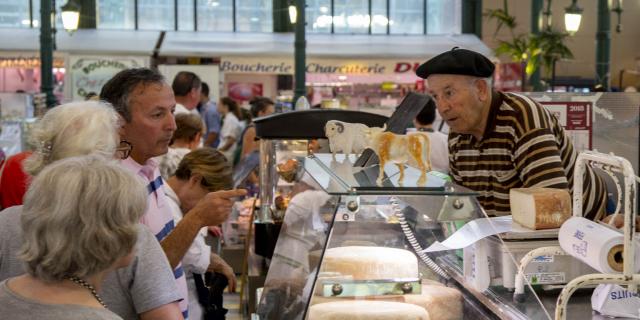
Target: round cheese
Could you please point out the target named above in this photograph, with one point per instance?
(370, 263)
(442, 303)
(369, 310)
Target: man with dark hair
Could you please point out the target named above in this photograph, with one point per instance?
(211, 118)
(439, 147)
(147, 103)
(502, 140)
(186, 88)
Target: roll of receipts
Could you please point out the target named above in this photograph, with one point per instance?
(594, 244)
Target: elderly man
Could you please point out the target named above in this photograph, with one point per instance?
(146, 103)
(498, 140)
(187, 87)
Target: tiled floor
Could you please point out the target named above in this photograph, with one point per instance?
(232, 302)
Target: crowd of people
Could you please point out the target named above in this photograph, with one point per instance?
(110, 212)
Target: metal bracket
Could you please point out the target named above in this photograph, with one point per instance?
(359, 288)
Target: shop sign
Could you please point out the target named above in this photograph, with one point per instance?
(90, 73)
(508, 77)
(314, 65)
(242, 91)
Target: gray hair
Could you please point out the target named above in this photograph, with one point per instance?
(80, 217)
(73, 129)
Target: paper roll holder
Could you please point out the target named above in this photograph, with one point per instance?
(611, 163)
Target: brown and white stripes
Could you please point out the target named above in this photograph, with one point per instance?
(523, 146)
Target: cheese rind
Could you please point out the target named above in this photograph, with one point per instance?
(369, 310)
(540, 208)
(370, 263)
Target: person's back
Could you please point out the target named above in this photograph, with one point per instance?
(16, 307)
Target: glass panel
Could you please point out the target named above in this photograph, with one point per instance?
(185, 15)
(406, 16)
(379, 19)
(254, 15)
(116, 14)
(318, 16)
(351, 16)
(340, 177)
(215, 15)
(156, 15)
(444, 16)
(15, 13)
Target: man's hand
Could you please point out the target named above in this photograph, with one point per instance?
(215, 207)
(220, 266)
(216, 231)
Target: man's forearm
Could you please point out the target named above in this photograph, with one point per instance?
(176, 244)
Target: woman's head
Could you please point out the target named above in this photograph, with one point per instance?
(80, 218)
(261, 106)
(73, 129)
(227, 105)
(203, 171)
(189, 129)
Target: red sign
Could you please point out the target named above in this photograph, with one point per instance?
(242, 91)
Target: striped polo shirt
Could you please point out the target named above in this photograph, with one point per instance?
(158, 217)
(523, 146)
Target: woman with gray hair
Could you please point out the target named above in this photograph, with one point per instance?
(71, 129)
(79, 222)
(146, 288)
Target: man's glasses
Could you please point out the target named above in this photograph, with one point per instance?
(124, 149)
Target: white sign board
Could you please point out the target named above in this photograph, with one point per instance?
(90, 73)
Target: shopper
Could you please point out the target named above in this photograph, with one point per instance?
(439, 146)
(499, 140)
(260, 107)
(146, 288)
(72, 203)
(146, 102)
(231, 127)
(186, 138)
(212, 118)
(186, 87)
(201, 171)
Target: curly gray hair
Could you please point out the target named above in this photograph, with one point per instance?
(80, 217)
(73, 129)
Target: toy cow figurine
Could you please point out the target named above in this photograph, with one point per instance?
(346, 137)
(414, 147)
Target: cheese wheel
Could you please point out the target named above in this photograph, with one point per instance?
(370, 263)
(369, 310)
(540, 208)
(442, 303)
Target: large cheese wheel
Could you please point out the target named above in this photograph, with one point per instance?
(370, 263)
(369, 310)
(540, 208)
(442, 303)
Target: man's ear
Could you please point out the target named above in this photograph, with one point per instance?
(484, 92)
(121, 123)
(195, 179)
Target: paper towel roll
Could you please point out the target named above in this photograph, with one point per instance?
(596, 245)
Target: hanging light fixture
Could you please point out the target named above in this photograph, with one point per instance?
(293, 14)
(70, 13)
(618, 10)
(572, 17)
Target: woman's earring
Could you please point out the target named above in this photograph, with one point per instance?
(124, 149)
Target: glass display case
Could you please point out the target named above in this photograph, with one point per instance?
(351, 248)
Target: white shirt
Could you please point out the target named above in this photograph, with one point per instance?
(231, 127)
(439, 151)
(181, 109)
(196, 259)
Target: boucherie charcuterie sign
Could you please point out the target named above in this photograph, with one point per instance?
(90, 73)
(284, 65)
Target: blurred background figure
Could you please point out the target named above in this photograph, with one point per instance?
(211, 116)
(72, 203)
(186, 89)
(231, 127)
(260, 107)
(439, 143)
(187, 137)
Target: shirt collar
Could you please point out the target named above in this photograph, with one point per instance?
(496, 102)
(147, 170)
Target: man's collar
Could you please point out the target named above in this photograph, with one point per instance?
(496, 101)
(147, 169)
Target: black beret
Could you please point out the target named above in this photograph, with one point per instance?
(457, 61)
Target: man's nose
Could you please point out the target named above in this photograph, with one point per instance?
(171, 123)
